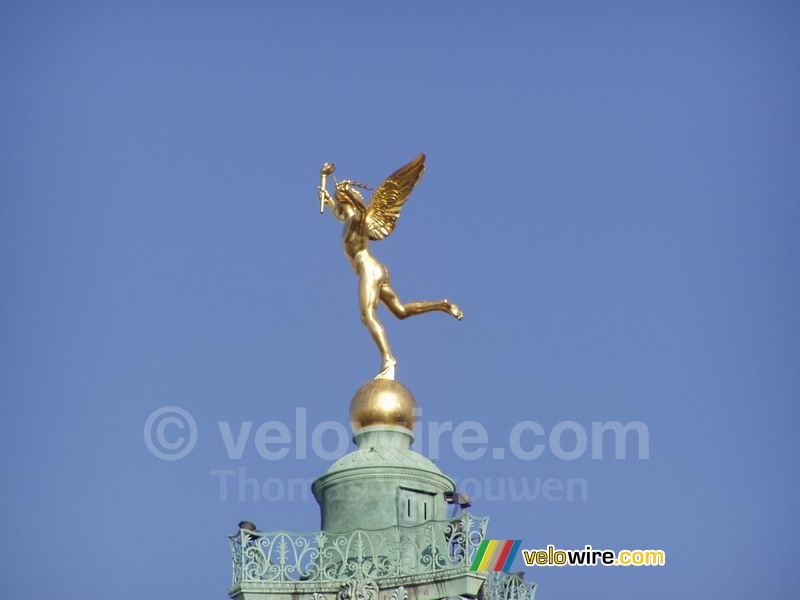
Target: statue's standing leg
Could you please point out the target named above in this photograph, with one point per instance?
(401, 311)
(368, 296)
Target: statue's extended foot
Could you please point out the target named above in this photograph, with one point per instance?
(387, 372)
(453, 309)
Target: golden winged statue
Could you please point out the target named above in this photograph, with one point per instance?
(363, 223)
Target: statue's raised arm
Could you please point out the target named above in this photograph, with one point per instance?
(363, 223)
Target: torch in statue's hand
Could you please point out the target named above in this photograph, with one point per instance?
(324, 197)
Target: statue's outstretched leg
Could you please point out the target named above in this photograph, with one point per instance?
(401, 311)
(368, 296)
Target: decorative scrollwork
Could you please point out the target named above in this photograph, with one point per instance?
(358, 589)
(507, 586)
(400, 594)
(429, 548)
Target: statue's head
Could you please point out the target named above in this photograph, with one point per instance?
(347, 192)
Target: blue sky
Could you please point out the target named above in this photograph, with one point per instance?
(611, 196)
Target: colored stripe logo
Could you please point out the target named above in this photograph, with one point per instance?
(495, 555)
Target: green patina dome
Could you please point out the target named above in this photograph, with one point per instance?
(383, 457)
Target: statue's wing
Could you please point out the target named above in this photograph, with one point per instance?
(389, 197)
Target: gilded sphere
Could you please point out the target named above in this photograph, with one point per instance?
(382, 402)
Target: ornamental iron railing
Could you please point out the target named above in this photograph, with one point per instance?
(507, 586)
(284, 558)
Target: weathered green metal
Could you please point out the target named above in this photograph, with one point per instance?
(363, 489)
(282, 557)
(385, 535)
(507, 586)
(282, 564)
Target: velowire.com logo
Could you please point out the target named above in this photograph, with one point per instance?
(495, 555)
